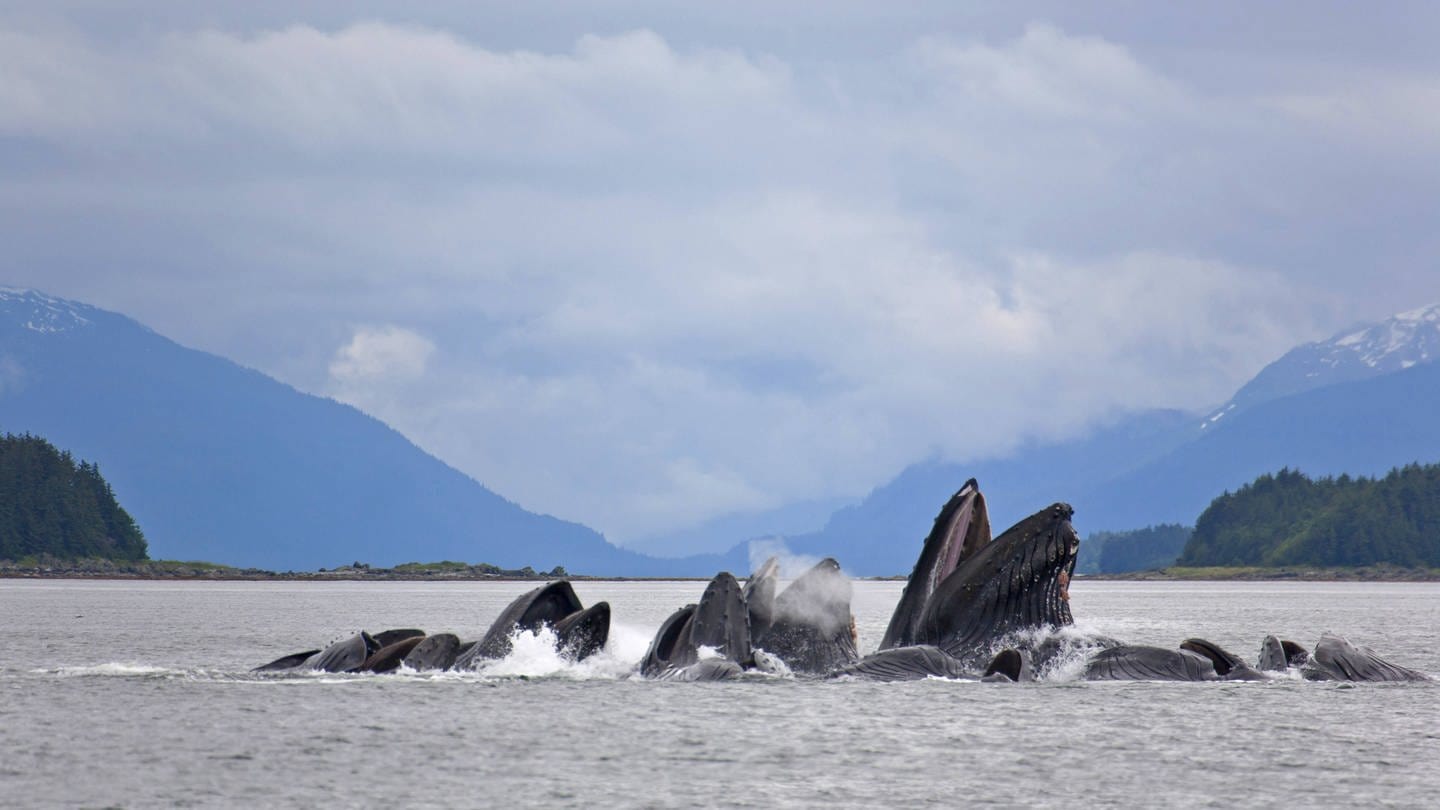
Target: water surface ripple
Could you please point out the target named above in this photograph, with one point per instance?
(136, 694)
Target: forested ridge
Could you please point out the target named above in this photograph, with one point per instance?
(51, 504)
(1289, 519)
(1147, 549)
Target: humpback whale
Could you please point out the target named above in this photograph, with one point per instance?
(389, 657)
(721, 621)
(969, 592)
(1278, 656)
(670, 649)
(580, 633)
(1010, 666)
(809, 625)
(584, 633)
(530, 611)
(911, 663)
(1228, 666)
(1336, 659)
(1019, 581)
(706, 641)
(387, 637)
(353, 654)
(806, 629)
(344, 656)
(1130, 662)
(433, 652)
(966, 594)
(284, 662)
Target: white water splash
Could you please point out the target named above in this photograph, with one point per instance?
(537, 655)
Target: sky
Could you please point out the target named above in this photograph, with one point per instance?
(642, 264)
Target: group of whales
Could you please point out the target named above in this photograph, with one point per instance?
(579, 632)
(975, 607)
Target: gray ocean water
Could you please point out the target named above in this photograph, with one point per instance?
(136, 694)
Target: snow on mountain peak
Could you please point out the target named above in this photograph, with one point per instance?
(39, 312)
(1394, 344)
(1398, 342)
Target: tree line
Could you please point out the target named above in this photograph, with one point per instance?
(52, 504)
(1146, 549)
(1290, 519)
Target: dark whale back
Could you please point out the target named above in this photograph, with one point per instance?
(287, 662)
(345, 656)
(961, 529)
(903, 664)
(545, 605)
(1008, 665)
(1337, 659)
(388, 658)
(811, 627)
(584, 633)
(1016, 582)
(433, 652)
(1137, 663)
(387, 637)
(671, 645)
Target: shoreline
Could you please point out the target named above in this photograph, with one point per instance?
(1367, 573)
(164, 570)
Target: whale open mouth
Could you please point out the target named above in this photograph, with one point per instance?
(961, 529)
(1224, 662)
(968, 590)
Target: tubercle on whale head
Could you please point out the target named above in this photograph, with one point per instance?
(1069, 552)
(1056, 549)
(1072, 555)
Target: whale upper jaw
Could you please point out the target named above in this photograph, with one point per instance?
(961, 529)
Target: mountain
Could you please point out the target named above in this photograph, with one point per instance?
(1364, 427)
(221, 463)
(1395, 344)
(1361, 403)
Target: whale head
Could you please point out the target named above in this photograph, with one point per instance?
(1019, 581)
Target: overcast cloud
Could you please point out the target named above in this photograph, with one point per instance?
(638, 271)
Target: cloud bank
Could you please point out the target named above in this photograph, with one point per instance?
(645, 283)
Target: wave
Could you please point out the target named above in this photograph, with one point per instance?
(112, 669)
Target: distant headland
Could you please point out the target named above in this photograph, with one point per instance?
(48, 567)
